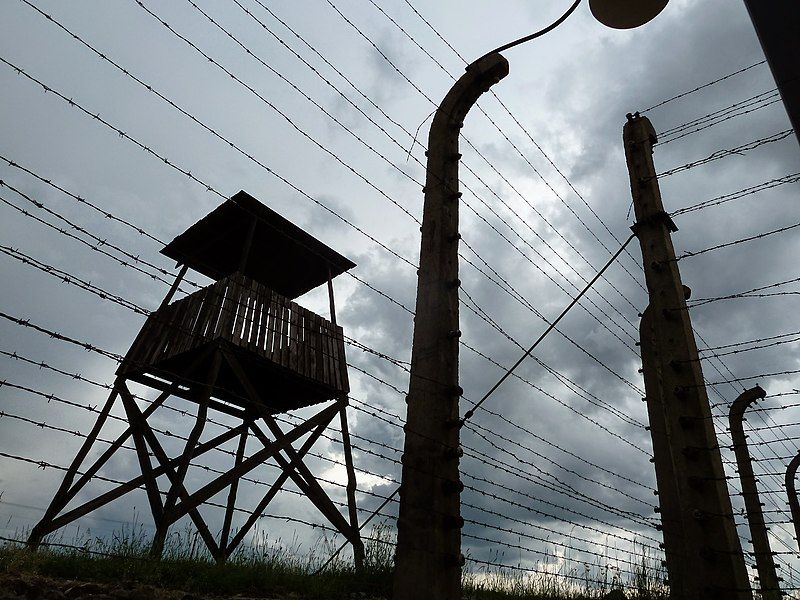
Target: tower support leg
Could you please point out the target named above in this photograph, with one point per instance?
(231, 503)
(62, 495)
(164, 520)
(358, 548)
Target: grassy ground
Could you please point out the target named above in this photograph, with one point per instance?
(279, 571)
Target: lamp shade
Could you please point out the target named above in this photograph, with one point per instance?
(626, 14)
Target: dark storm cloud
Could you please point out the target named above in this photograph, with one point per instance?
(571, 94)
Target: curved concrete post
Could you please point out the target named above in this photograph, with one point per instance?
(791, 491)
(428, 559)
(765, 563)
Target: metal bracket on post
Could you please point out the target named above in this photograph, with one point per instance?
(428, 559)
(765, 563)
(695, 506)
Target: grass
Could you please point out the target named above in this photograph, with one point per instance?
(555, 580)
(272, 568)
(267, 568)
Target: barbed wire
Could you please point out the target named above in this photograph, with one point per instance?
(772, 427)
(503, 466)
(504, 500)
(149, 88)
(739, 241)
(575, 411)
(480, 456)
(703, 86)
(753, 341)
(96, 247)
(389, 358)
(737, 151)
(523, 156)
(538, 267)
(722, 111)
(187, 173)
(751, 377)
(766, 185)
(469, 413)
(42, 464)
(83, 201)
(67, 278)
(772, 183)
(547, 158)
(490, 163)
(481, 313)
(751, 293)
(397, 422)
(522, 460)
(494, 168)
(53, 397)
(108, 296)
(502, 283)
(280, 111)
(738, 109)
(186, 113)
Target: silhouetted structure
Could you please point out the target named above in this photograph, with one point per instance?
(768, 579)
(703, 552)
(239, 346)
(791, 491)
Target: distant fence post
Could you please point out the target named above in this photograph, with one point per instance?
(791, 491)
(709, 563)
(428, 559)
(765, 564)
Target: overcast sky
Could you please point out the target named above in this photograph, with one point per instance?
(556, 134)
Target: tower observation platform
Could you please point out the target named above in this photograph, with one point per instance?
(260, 263)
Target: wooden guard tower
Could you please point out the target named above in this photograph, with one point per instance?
(242, 347)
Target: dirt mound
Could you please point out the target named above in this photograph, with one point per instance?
(36, 587)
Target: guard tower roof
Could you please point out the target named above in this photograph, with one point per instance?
(281, 256)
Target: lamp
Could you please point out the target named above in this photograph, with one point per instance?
(617, 14)
(626, 14)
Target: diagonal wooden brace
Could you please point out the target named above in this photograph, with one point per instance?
(67, 490)
(274, 489)
(270, 450)
(308, 484)
(135, 416)
(146, 465)
(134, 483)
(301, 475)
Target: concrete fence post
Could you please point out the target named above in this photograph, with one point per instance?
(791, 492)
(696, 508)
(428, 558)
(765, 564)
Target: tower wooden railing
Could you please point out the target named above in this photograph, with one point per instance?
(252, 318)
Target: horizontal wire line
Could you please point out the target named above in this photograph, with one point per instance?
(703, 86)
(720, 154)
(748, 191)
(188, 173)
